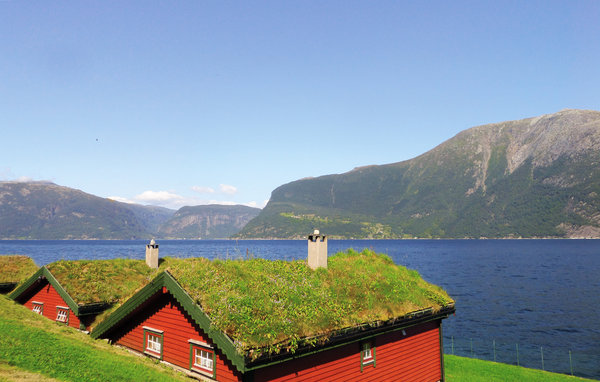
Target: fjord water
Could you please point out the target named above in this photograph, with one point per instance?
(540, 295)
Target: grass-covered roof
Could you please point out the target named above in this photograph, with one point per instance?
(16, 268)
(101, 281)
(278, 304)
(265, 305)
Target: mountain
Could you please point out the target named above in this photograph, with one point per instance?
(207, 222)
(42, 210)
(150, 217)
(536, 177)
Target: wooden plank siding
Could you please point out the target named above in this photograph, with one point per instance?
(45, 293)
(162, 312)
(414, 357)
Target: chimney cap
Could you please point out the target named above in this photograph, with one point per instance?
(152, 242)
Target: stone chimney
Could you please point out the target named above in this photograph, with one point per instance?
(152, 254)
(317, 250)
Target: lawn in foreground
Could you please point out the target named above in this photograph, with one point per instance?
(460, 369)
(35, 348)
(36, 345)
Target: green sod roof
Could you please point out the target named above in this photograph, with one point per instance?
(265, 305)
(16, 268)
(101, 281)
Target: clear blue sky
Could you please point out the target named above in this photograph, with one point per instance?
(191, 102)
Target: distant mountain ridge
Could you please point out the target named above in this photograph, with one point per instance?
(39, 210)
(44, 210)
(536, 177)
(207, 221)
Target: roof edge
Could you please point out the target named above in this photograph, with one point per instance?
(26, 284)
(43, 272)
(165, 279)
(350, 335)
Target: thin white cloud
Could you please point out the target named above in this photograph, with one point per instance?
(121, 199)
(203, 189)
(158, 197)
(227, 189)
(222, 202)
(230, 203)
(174, 201)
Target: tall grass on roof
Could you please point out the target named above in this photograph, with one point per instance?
(268, 305)
(16, 268)
(101, 281)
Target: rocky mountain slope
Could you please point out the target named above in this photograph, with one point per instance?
(207, 222)
(537, 177)
(43, 210)
(40, 210)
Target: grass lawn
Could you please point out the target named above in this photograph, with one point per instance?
(35, 348)
(460, 369)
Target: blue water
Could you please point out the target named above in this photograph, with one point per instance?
(540, 295)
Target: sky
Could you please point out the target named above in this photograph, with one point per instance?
(177, 103)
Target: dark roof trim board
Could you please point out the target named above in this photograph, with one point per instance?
(44, 273)
(166, 280)
(225, 344)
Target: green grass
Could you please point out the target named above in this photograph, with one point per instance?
(16, 268)
(14, 374)
(33, 348)
(460, 369)
(31, 345)
(268, 305)
(91, 281)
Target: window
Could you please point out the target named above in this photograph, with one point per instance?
(367, 354)
(367, 351)
(62, 314)
(153, 342)
(38, 307)
(202, 358)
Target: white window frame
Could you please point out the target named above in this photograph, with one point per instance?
(367, 353)
(203, 358)
(206, 359)
(38, 307)
(153, 342)
(62, 314)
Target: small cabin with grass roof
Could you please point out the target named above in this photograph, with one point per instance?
(14, 269)
(77, 292)
(359, 317)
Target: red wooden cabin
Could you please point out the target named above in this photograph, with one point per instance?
(76, 292)
(164, 322)
(43, 294)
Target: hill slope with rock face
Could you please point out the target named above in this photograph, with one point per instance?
(40, 210)
(43, 210)
(207, 222)
(536, 177)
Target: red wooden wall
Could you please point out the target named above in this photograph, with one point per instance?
(46, 293)
(163, 312)
(414, 357)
